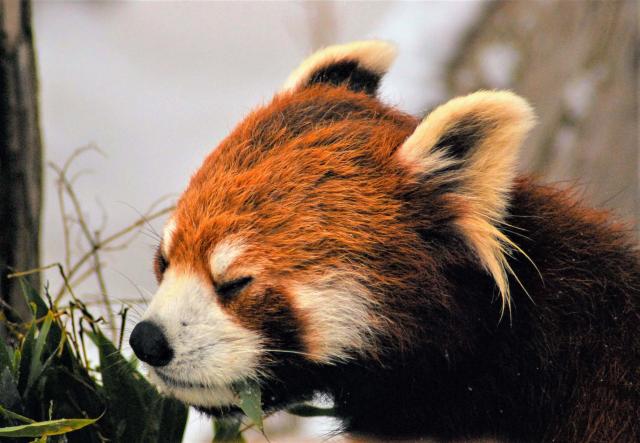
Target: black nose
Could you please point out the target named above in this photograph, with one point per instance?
(150, 345)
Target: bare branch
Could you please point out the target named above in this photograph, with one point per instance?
(112, 238)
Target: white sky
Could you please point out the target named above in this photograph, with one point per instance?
(156, 85)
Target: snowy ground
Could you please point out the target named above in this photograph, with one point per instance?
(156, 85)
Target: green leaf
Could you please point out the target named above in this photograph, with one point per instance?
(173, 420)
(33, 299)
(15, 416)
(75, 394)
(5, 356)
(306, 410)
(42, 335)
(35, 368)
(251, 401)
(227, 430)
(9, 395)
(27, 348)
(50, 427)
(40, 309)
(127, 392)
(17, 358)
(136, 409)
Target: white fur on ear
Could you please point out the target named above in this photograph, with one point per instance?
(498, 121)
(375, 56)
(471, 143)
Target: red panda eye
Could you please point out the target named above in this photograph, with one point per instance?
(229, 289)
(160, 264)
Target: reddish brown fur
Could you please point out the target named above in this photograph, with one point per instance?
(267, 184)
(311, 184)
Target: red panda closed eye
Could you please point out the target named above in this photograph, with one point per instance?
(334, 244)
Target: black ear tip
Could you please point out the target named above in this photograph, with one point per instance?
(349, 73)
(462, 137)
(357, 65)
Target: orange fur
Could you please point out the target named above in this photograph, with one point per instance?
(268, 197)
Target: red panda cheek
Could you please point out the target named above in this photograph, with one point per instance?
(268, 312)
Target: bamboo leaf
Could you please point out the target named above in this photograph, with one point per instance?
(251, 402)
(15, 416)
(172, 421)
(9, 387)
(35, 368)
(126, 391)
(40, 309)
(24, 366)
(74, 394)
(135, 407)
(9, 394)
(227, 430)
(5, 356)
(50, 427)
(17, 358)
(33, 299)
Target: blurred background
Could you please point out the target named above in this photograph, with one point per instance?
(156, 85)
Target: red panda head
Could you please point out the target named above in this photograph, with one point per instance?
(321, 224)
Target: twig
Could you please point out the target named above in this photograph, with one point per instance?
(82, 277)
(125, 301)
(74, 338)
(103, 288)
(33, 270)
(87, 255)
(65, 225)
(78, 152)
(58, 265)
(123, 314)
(82, 343)
(76, 203)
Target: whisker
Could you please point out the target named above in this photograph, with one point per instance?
(285, 351)
(135, 285)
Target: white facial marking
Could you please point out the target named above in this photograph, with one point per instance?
(211, 351)
(167, 236)
(339, 312)
(224, 254)
(212, 396)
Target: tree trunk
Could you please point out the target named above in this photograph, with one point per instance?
(20, 154)
(577, 63)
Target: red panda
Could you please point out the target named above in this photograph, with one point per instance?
(335, 245)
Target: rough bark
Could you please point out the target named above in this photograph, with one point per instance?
(20, 152)
(577, 62)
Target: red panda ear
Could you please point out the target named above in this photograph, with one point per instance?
(469, 146)
(358, 65)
